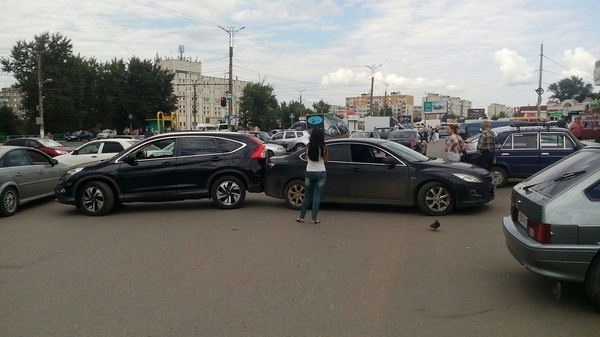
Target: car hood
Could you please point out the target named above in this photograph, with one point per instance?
(457, 165)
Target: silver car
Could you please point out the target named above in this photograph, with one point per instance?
(554, 223)
(26, 174)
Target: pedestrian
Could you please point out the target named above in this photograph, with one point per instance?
(576, 128)
(452, 145)
(485, 146)
(316, 175)
(561, 123)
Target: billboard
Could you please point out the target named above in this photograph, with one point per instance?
(437, 107)
(475, 113)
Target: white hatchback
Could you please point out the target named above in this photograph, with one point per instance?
(96, 150)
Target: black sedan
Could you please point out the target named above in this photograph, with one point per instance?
(377, 171)
(409, 138)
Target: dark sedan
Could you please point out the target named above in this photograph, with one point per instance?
(377, 171)
(409, 138)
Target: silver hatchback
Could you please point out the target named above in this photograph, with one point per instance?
(554, 224)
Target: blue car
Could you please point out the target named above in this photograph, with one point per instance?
(524, 149)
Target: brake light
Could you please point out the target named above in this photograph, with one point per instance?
(514, 212)
(538, 231)
(260, 152)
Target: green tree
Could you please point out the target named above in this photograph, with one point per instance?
(571, 88)
(321, 107)
(9, 122)
(258, 107)
(295, 107)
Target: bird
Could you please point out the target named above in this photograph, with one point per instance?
(435, 225)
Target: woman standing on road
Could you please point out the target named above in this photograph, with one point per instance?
(316, 156)
(452, 144)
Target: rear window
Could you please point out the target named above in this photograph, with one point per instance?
(556, 178)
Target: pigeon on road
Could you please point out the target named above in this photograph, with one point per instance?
(435, 225)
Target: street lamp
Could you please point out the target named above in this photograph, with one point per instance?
(40, 120)
(231, 31)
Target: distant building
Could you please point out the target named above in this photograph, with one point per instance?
(198, 96)
(401, 105)
(11, 98)
(497, 109)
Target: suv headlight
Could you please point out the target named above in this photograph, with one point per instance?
(468, 178)
(71, 172)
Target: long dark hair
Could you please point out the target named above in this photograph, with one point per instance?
(316, 143)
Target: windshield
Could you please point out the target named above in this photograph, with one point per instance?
(50, 143)
(402, 135)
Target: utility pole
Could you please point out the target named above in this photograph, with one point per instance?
(40, 120)
(194, 107)
(540, 90)
(231, 31)
(373, 68)
(387, 84)
(301, 91)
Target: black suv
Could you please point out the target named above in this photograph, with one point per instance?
(221, 166)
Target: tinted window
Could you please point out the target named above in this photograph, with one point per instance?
(198, 146)
(112, 147)
(37, 158)
(157, 149)
(227, 145)
(594, 192)
(337, 153)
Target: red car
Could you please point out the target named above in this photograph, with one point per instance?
(48, 146)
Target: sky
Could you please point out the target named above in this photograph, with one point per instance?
(311, 50)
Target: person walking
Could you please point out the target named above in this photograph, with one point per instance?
(316, 175)
(485, 146)
(576, 128)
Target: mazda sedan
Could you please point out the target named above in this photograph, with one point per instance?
(377, 171)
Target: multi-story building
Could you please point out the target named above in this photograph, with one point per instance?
(401, 105)
(497, 110)
(198, 96)
(11, 98)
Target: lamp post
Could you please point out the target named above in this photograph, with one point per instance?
(373, 68)
(231, 31)
(40, 120)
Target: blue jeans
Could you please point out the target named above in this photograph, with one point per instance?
(313, 188)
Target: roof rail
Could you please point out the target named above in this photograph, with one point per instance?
(524, 124)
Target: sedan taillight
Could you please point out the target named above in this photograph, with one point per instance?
(540, 232)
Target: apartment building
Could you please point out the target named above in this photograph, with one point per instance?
(401, 105)
(11, 98)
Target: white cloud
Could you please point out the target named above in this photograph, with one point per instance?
(514, 68)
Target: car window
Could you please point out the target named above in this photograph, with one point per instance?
(299, 134)
(112, 147)
(290, 134)
(191, 146)
(16, 158)
(228, 145)
(521, 141)
(555, 141)
(337, 152)
(158, 149)
(593, 193)
(89, 149)
(361, 153)
(277, 136)
(37, 158)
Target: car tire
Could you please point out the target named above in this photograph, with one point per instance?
(228, 192)
(592, 281)
(499, 176)
(299, 146)
(270, 154)
(96, 199)
(435, 198)
(10, 202)
(293, 193)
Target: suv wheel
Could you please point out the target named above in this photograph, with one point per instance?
(10, 202)
(499, 176)
(96, 198)
(294, 193)
(299, 146)
(592, 282)
(435, 199)
(228, 192)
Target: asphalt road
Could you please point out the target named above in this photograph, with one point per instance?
(189, 269)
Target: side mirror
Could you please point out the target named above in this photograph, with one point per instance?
(53, 162)
(389, 161)
(130, 159)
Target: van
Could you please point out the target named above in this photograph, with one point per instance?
(206, 127)
(472, 128)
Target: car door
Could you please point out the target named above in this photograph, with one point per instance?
(25, 175)
(553, 147)
(154, 174)
(48, 174)
(199, 159)
(337, 184)
(85, 154)
(371, 179)
(520, 153)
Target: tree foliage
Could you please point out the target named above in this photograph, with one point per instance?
(258, 107)
(321, 107)
(295, 107)
(80, 93)
(9, 123)
(571, 88)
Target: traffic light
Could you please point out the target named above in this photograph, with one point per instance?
(223, 101)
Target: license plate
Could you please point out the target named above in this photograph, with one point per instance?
(522, 219)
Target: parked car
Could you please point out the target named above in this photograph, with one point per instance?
(262, 135)
(100, 149)
(291, 140)
(219, 165)
(26, 174)
(368, 170)
(473, 127)
(523, 150)
(79, 136)
(274, 149)
(48, 146)
(364, 134)
(384, 132)
(412, 139)
(554, 224)
(107, 133)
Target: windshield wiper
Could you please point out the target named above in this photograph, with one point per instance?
(563, 177)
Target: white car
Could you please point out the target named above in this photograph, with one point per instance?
(95, 150)
(107, 133)
(274, 149)
(291, 140)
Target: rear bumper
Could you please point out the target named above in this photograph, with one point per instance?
(567, 263)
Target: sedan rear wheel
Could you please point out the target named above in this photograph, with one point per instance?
(499, 176)
(294, 193)
(435, 199)
(10, 202)
(96, 198)
(228, 192)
